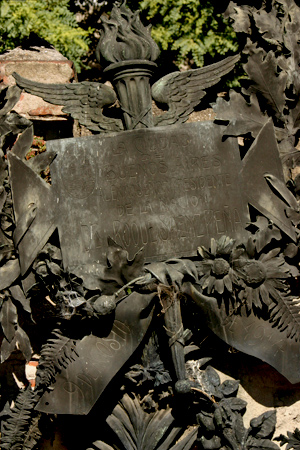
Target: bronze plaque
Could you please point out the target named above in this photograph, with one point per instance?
(80, 384)
(168, 190)
(251, 334)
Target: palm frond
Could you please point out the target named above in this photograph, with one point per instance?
(33, 435)
(15, 429)
(137, 429)
(285, 315)
(56, 354)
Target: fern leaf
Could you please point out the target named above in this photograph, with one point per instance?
(33, 435)
(286, 316)
(15, 428)
(292, 439)
(56, 354)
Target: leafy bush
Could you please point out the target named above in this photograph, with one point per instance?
(49, 19)
(190, 29)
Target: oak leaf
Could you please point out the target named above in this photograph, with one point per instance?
(120, 269)
(262, 70)
(269, 25)
(243, 117)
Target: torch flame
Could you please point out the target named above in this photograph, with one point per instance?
(123, 37)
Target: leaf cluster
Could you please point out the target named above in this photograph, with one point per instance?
(56, 354)
(151, 368)
(219, 418)
(138, 429)
(272, 58)
(15, 429)
(221, 421)
(21, 429)
(292, 439)
(12, 295)
(51, 20)
(189, 30)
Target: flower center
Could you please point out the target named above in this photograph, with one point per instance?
(220, 267)
(255, 273)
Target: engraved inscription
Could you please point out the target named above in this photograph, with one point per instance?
(99, 361)
(78, 175)
(255, 335)
(166, 191)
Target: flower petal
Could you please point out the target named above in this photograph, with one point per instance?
(213, 246)
(235, 279)
(273, 292)
(276, 274)
(228, 282)
(211, 282)
(221, 243)
(270, 255)
(229, 243)
(219, 285)
(204, 253)
(205, 266)
(256, 298)
(204, 281)
(277, 283)
(248, 294)
(265, 295)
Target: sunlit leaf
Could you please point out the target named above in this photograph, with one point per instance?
(243, 117)
(19, 295)
(7, 348)
(9, 273)
(9, 319)
(24, 343)
(262, 70)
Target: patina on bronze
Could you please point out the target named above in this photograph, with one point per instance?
(252, 335)
(168, 190)
(79, 386)
(34, 212)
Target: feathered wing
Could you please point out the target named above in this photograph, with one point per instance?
(182, 91)
(84, 101)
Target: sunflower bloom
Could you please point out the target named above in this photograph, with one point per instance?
(215, 271)
(263, 279)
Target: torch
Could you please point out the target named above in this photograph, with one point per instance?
(126, 45)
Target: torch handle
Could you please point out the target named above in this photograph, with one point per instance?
(175, 331)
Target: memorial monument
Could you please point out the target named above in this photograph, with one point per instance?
(150, 228)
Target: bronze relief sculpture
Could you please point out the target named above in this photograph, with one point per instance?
(149, 227)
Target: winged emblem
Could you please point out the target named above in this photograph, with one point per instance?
(127, 51)
(181, 91)
(83, 101)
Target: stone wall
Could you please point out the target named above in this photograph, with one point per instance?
(45, 65)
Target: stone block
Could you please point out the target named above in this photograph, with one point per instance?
(39, 64)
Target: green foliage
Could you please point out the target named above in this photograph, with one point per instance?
(190, 29)
(49, 19)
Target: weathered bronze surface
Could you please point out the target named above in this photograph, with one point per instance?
(177, 198)
(33, 209)
(252, 335)
(261, 160)
(167, 190)
(78, 387)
